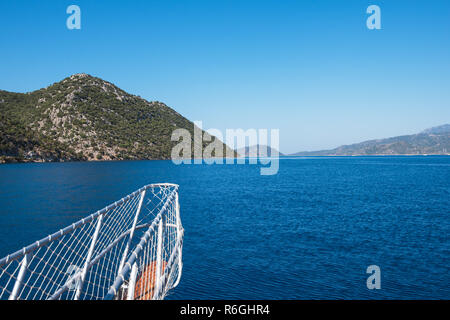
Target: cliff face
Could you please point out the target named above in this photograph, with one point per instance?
(85, 118)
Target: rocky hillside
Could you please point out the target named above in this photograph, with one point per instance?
(431, 141)
(85, 118)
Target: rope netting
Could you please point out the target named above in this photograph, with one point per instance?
(128, 250)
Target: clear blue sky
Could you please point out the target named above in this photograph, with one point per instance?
(310, 68)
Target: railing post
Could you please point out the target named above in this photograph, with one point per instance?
(159, 253)
(132, 282)
(133, 228)
(20, 276)
(179, 235)
(88, 258)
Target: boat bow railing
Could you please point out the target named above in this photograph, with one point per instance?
(132, 249)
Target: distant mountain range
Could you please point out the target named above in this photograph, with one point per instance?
(252, 151)
(85, 118)
(433, 141)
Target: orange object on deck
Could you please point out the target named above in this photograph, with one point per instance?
(146, 282)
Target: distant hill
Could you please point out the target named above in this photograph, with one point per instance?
(252, 151)
(438, 130)
(85, 118)
(430, 141)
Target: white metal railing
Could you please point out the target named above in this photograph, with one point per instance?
(132, 249)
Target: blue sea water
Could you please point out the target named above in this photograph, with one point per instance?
(308, 232)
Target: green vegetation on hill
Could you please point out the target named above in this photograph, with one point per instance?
(85, 118)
